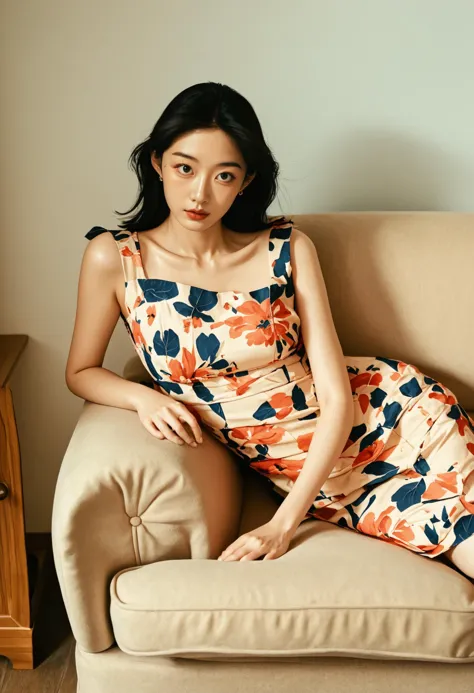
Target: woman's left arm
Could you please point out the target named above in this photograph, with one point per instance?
(331, 381)
(334, 394)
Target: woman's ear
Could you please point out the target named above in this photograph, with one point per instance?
(156, 163)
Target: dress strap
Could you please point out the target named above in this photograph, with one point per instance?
(280, 259)
(129, 249)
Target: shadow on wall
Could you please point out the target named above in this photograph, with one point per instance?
(380, 171)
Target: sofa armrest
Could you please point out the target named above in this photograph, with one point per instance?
(124, 498)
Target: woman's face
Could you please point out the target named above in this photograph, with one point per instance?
(202, 170)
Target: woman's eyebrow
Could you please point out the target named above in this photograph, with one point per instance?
(193, 158)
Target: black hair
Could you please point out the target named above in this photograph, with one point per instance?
(206, 105)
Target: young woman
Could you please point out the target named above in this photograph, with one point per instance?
(229, 313)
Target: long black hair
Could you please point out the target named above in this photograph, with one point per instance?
(206, 105)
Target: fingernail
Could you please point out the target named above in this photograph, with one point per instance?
(194, 445)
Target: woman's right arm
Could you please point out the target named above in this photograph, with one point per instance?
(97, 313)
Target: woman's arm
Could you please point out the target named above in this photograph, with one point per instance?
(97, 313)
(331, 380)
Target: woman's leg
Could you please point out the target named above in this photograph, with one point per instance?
(462, 555)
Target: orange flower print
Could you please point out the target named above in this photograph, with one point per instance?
(257, 321)
(151, 313)
(403, 532)
(240, 384)
(136, 258)
(266, 434)
(304, 441)
(283, 404)
(444, 484)
(183, 371)
(289, 468)
(446, 399)
(373, 452)
(194, 321)
(376, 527)
(138, 301)
(138, 337)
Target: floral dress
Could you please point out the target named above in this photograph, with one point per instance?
(238, 362)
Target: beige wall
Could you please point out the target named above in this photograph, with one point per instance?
(366, 105)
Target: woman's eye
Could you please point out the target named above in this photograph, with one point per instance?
(226, 173)
(230, 178)
(182, 166)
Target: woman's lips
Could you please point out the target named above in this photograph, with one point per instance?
(195, 216)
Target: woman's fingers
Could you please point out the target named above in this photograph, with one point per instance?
(173, 419)
(192, 422)
(151, 428)
(167, 430)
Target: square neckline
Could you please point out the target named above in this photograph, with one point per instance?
(134, 235)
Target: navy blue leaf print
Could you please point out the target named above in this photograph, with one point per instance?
(280, 233)
(393, 363)
(313, 415)
(445, 518)
(463, 529)
(379, 468)
(276, 290)
(411, 388)
(357, 432)
(265, 411)
(279, 269)
(170, 386)
(207, 346)
(409, 494)
(202, 300)
(290, 288)
(203, 316)
(391, 412)
(299, 399)
(260, 294)
(168, 345)
(377, 396)
(422, 466)
(380, 479)
(432, 534)
(149, 364)
(362, 497)
(202, 391)
(183, 309)
(217, 409)
(219, 365)
(155, 290)
(371, 437)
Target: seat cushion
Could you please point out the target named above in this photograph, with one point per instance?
(335, 592)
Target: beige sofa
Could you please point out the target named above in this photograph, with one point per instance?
(138, 522)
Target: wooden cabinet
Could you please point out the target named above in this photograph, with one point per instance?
(16, 641)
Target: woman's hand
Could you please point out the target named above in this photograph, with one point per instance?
(271, 540)
(162, 415)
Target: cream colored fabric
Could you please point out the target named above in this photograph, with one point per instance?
(333, 592)
(187, 503)
(114, 671)
(399, 284)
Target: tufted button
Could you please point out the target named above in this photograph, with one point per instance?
(135, 521)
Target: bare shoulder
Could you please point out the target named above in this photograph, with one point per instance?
(101, 254)
(303, 249)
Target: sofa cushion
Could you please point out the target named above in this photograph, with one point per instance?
(335, 592)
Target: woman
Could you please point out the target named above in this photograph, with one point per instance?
(229, 313)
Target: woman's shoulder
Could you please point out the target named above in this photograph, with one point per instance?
(101, 252)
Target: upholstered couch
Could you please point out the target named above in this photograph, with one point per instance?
(138, 523)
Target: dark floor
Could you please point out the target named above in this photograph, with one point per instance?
(53, 646)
